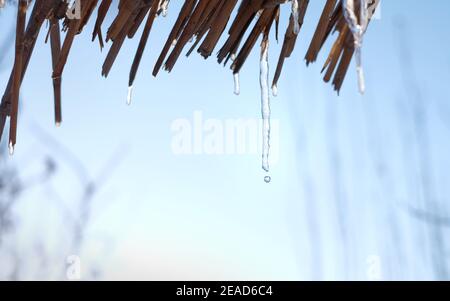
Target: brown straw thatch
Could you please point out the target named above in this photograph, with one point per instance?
(201, 21)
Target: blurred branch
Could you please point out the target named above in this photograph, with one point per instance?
(89, 185)
(424, 161)
(67, 156)
(430, 218)
(12, 186)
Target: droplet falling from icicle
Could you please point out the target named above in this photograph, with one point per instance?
(296, 16)
(358, 30)
(265, 103)
(237, 84)
(267, 179)
(130, 95)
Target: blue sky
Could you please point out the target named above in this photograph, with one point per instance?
(165, 216)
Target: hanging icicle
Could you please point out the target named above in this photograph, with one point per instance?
(296, 16)
(275, 90)
(265, 105)
(130, 95)
(358, 27)
(164, 7)
(237, 84)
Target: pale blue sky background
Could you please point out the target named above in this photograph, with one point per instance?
(162, 216)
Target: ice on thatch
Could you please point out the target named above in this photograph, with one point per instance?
(296, 15)
(164, 7)
(275, 90)
(358, 27)
(11, 148)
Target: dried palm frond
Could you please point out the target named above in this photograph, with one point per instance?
(202, 21)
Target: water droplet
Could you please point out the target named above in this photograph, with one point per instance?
(58, 124)
(130, 95)
(267, 179)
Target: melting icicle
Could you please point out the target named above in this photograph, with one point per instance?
(360, 71)
(165, 11)
(265, 103)
(164, 7)
(237, 84)
(296, 16)
(130, 95)
(358, 30)
(275, 90)
(11, 148)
